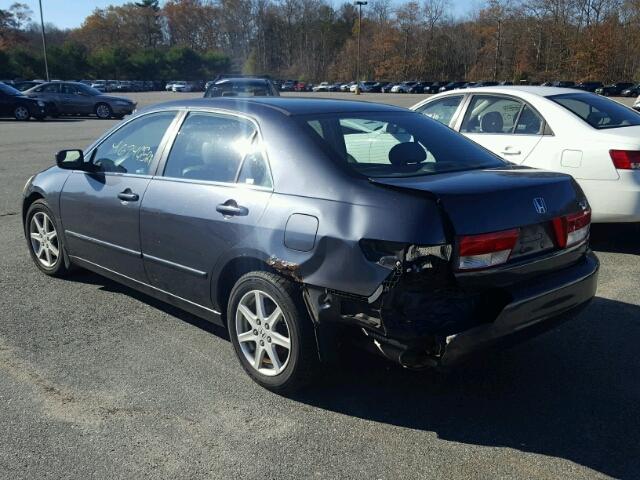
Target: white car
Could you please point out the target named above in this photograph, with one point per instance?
(636, 105)
(592, 138)
(323, 87)
(182, 87)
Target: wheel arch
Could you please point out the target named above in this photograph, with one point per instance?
(27, 201)
(228, 275)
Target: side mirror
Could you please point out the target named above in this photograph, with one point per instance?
(70, 159)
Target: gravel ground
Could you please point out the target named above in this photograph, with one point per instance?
(99, 381)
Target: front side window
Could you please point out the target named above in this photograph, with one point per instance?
(442, 110)
(132, 148)
(217, 148)
(395, 144)
(491, 114)
(49, 88)
(597, 111)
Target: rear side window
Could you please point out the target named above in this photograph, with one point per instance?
(491, 114)
(597, 111)
(218, 148)
(442, 110)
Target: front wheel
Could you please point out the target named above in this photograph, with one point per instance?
(103, 111)
(45, 241)
(271, 332)
(21, 113)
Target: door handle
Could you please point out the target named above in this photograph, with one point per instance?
(128, 196)
(506, 151)
(231, 208)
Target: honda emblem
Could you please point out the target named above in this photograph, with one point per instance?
(539, 205)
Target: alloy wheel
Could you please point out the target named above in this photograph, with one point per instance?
(263, 333)
(44, 239)
(21, 113)
(103, 111)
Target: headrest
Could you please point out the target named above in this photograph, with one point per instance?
(492, 122)
(407, 153)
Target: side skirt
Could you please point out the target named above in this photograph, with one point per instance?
(182, 303)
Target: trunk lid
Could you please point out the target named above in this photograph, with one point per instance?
(491, 200)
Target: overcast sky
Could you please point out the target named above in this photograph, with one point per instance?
(71, 13)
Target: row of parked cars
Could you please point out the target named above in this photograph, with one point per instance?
(53, 99)
(625, 89)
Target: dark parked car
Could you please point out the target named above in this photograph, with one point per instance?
(14, 103)
(387, 88)
(242, 87)
(614, 89)
(73, 98)
(451, 86)
(435, 87)
(588, 86)
(298, 223)
(632, 91)
(288, 85)
(378, 86)
(420, 87)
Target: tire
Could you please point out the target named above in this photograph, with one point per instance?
(50, 263)
(21, 113)
(103, 111)
(252, 334)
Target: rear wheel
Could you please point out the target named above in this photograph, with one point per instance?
(103, 111)
(45, 242)
(271, 332)
(21, 113)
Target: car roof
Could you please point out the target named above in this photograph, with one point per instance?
(286, 105)
(526, 89)
(241, 79)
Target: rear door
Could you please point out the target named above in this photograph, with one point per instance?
(503, 124)
(101, 210)
(209, 195)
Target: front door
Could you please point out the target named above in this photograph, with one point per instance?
(101, 210)
(504, 125)
(210, 196)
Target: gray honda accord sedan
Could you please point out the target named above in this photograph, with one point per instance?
(301, 223)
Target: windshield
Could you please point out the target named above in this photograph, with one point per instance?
(396, 144)
(597, 111)
(9, 90)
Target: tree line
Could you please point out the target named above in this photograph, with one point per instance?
(315, 40)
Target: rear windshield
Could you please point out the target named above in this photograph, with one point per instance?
(597, 111)
(242, 88)
(396, 144)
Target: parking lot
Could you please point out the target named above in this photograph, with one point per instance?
(100, 381)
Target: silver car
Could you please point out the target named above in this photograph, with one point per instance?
(72, 98)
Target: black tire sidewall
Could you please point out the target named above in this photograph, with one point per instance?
(59, 267)
(289, 379)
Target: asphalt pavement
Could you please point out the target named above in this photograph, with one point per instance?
(99, 381)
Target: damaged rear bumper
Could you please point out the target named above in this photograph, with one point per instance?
(539, 306)
(534, 305)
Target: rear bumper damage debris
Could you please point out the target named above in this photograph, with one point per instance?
(421, 320)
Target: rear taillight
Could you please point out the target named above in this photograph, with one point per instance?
(486, 250)
(625, 159)
(572, 229)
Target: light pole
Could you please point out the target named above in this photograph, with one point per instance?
(359, 3)
(44, 42)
